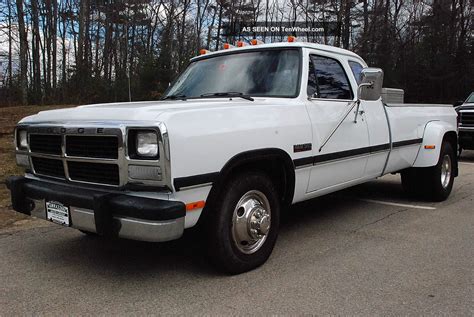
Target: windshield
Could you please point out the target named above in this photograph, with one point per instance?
(272, 73)
(470, 99)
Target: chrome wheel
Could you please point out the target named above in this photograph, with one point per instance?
(446, 171)
(251, 222)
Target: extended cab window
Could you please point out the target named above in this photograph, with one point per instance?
(331, 79)
(356, 70)
(255, 73)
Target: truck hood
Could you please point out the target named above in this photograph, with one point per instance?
(138, 111)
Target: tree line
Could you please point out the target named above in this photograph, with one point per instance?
(84, 51)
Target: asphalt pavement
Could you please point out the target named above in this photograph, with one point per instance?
(368, 250)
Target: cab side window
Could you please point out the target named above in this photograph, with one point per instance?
(331, 79)
(356, 70)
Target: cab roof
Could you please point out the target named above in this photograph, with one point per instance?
(320, 47)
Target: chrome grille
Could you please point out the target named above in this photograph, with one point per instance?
(78, 154)
(93, 154)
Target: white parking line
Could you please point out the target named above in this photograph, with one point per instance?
(397, 204)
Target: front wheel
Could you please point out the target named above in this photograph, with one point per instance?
(244, 223)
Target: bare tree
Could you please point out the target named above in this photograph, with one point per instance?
(23, 53)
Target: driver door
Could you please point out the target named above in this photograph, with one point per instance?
(343, 159)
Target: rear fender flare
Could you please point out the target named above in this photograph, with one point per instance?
(434, 134)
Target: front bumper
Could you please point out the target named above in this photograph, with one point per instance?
(106, 213)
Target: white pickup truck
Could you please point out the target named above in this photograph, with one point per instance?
(240, 135)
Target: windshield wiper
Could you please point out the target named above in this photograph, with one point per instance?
(228, 94)
(175, 97)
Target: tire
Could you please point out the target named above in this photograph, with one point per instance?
(440, 187)
(433, 183)
(250, 197)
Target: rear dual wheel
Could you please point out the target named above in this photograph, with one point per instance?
(434, 183)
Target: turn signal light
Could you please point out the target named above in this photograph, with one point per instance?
(228, 46)
(292, 39)
(203, 51)
(256, 42)
(430, 147)
(195, 205)
(241, 44)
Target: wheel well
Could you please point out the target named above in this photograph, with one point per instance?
(276, 163)
(452, 138)
(275, 169)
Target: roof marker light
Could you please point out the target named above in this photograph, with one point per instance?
(292, 39)
(228, 46)
(241, 44)
(256, 42)
(203, 51)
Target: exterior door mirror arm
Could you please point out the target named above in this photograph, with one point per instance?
(359, 91)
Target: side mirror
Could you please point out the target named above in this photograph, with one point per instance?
(371, 81)
(457, 103)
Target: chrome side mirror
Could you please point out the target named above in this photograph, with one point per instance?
(371, 81)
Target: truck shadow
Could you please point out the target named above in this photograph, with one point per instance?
(136, 260)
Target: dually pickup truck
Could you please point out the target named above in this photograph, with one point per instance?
(240, 135)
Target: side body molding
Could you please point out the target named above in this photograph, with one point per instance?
(434, 133)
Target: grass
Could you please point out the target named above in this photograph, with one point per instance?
(9, 116)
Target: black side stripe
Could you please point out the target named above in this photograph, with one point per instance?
(303, 161)
(354, 152)
(339, 155)
(407, 142)
(195, 180)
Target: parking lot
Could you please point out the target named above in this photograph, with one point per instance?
(368, 250)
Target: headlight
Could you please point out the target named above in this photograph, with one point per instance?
(147, 144)
(22, 139)
(143, 144)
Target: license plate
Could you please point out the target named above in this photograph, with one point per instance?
(57, 213)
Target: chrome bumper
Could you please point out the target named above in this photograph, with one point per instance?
(130, 228)
(120, 215)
